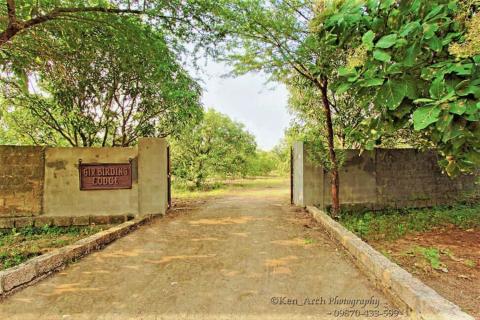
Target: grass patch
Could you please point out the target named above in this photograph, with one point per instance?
(17, 246)
(432, 255)
(395, 224)
(309, 241)
(470, 263)
(221, 187)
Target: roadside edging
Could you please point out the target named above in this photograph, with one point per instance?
(421, 301)
(38, 268)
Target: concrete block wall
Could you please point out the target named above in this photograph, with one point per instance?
(21, 181)
(63, 197)
(44, 182)
(357, 180)
(408, 177)
(381, 179)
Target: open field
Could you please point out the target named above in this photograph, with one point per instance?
(223, 187)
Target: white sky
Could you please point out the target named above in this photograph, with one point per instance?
(260, 106)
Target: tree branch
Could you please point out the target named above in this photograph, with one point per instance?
(12, 17)
(14, 26)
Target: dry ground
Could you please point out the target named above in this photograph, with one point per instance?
(240, 255)
(458, 276)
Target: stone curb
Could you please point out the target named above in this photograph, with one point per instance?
(33, 270)
(62, 221)
(421, 301)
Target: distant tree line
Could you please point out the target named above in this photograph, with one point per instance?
(218, 148)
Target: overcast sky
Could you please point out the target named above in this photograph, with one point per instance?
(261, 107)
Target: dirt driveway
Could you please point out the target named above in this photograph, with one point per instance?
(247, 255)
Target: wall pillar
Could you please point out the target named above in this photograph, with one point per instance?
(307, 178)
(152, 176)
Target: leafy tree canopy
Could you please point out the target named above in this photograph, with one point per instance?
(188, 20)
(419, 62)
(106, 88)
(216, 147)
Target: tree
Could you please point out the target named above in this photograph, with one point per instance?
(419, 61)
(262, 163)
(106, 89)
(187, 19)
(350, 117)
(217, 146)
(282, 153)
(305, 104)
(280, 38)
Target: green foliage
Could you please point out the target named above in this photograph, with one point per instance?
(276, 37)
(305, 104)
(262, 163)
(195, 21)
(217, 146)
(108, 94)
(281, 154)
(395, 224)
(417, 78)
(432, 255)
(289, 41)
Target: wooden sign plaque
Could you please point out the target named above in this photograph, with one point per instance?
(105, 176)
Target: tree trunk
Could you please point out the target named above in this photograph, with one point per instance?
(334, 177)
(6, 35)
(12, 26)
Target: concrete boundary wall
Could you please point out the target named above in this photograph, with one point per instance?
(380, 179)
(21, 181)
(420, 301)
(43, 183)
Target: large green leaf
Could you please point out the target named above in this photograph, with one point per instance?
(395, 68)
(472, 107)
(387, 41)
(465, 91)
(454, 131)
(384, 4)
(434, 12)
(444, 121)
(458, 107)
(392, 93)
(425, 116)
(382, 55)
(343, 88)
(415, 6)
(346, 72)
(409, 27)
(437, 88)
(367, 39)
(429, 30)
(462, 69)
(411, 55)
(372, 82)
(435, 43)
(473, 117)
